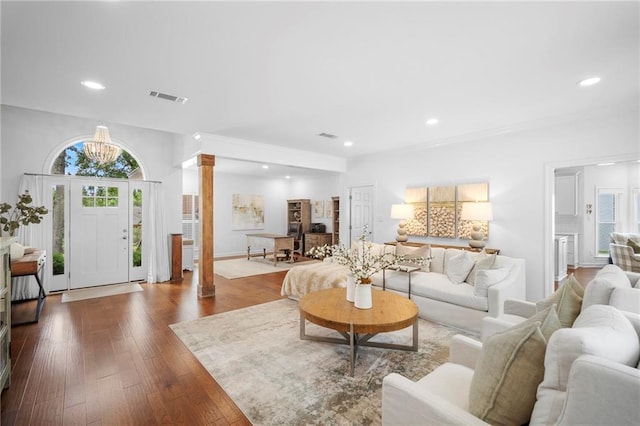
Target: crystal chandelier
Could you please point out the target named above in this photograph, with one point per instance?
(100, 148)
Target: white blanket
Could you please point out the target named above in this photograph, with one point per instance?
(304, 279)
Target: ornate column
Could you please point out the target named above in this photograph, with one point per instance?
(206, 286)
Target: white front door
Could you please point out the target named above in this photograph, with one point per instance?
(99, 233)
(360, 211)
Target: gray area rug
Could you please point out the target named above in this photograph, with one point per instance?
(239, 268)
(275, 378)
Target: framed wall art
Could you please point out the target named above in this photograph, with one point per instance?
(247, 212)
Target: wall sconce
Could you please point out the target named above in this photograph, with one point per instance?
(589, 208)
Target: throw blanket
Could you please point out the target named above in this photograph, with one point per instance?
(304, 279)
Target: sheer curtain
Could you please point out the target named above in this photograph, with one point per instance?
(33, 235)
(159, 269)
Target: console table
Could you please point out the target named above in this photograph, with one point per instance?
(273, 242)
(445, 246)
(27, 265)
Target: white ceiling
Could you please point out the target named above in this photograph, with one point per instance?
(282, 72)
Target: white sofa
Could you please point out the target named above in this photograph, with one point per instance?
(611, 286)
(591, 377)
(461, 305)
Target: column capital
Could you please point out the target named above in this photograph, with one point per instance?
(206, 160)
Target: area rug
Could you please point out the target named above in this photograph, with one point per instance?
(256, 355)
(103, 291)
(239, 268)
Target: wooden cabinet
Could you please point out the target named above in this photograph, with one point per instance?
(316, 240)
(335, 215)
(5, 313)
(299, 211)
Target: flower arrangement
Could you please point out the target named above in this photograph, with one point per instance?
(320, 252)
(363, 262)
(22, 214)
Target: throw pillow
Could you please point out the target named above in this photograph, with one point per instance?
(486, 278)
(568, 299)
(414, 253)
(459, 266)
(16, 251)
(509, 370)
(634, 246)
(483, 261)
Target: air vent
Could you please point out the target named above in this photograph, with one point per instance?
(327, 135)
(172, 98)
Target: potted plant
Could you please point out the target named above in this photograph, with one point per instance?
(22, 214)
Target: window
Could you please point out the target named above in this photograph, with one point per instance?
(608, 210)
(99, 196)
(191, 220)
(136, 241)
(57, 221)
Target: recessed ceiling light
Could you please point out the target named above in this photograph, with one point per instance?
(92, 85)
(264, 166)
(589, 81)
(606, 164)
(348, 143)
(287, 177)
(197, 136)
(432, 121)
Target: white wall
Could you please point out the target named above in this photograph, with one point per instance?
(514, 165)
(32, 139)
(276, 192)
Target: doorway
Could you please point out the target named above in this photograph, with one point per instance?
(97, 228)
(361, 211)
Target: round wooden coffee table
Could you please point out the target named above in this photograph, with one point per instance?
(329, 308)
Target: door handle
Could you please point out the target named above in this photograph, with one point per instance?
(124, 237)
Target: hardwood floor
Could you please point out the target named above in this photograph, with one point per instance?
(114, 360)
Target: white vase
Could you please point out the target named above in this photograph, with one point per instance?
(363, 296)
(351, 288)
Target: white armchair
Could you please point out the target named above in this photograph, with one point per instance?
(600, 385)
(441, 397)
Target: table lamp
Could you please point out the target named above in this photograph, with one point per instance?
(402, 212)
(478, 212)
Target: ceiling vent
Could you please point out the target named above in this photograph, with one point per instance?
(172, 98)
(327, 135)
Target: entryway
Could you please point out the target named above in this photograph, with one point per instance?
(97, 230)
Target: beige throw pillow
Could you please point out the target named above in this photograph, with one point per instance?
(483, 261)
(414, 253)
(509, 370)
(568, 299)
(459, 266)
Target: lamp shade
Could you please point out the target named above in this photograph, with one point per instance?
(480, 210)
(401, 211)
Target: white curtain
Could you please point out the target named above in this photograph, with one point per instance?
(159, 269)
(33, 235)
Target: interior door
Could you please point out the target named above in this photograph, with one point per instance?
(360, 212)
(99, 233)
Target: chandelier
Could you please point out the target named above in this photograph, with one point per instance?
(100, 149)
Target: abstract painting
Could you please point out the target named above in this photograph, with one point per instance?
(248, 212)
